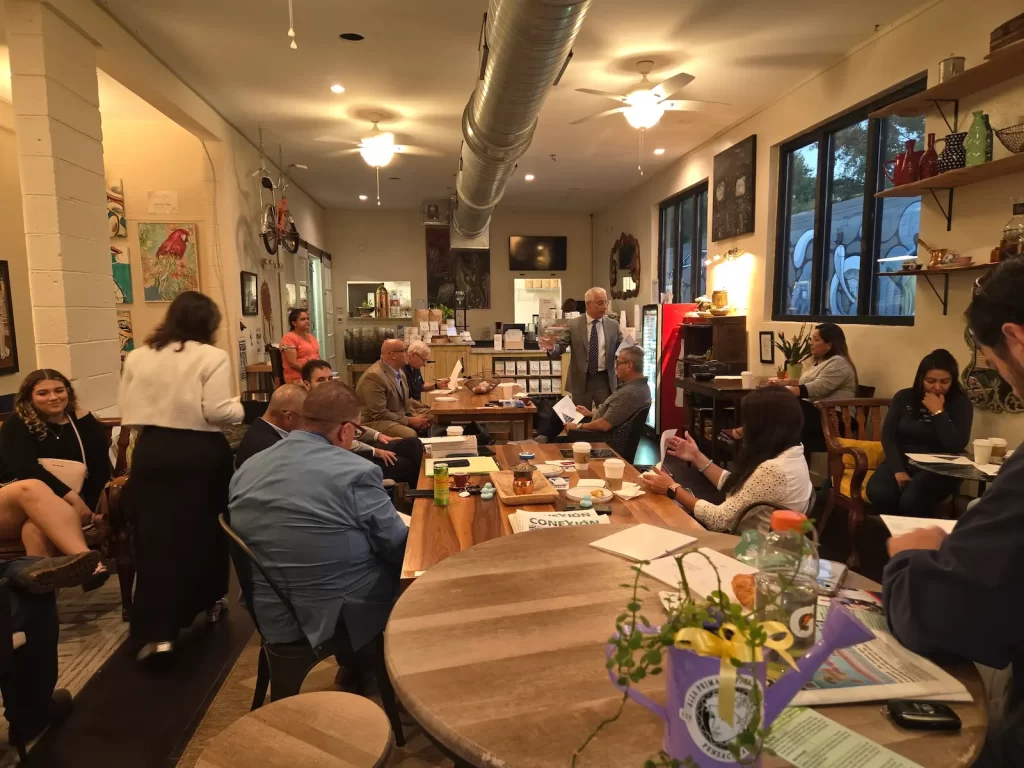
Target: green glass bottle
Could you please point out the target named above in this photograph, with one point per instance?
(979, 140)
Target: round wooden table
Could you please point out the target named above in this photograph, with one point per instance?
(498, 652)
(327, 729)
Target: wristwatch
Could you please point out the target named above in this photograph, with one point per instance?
(671, 492)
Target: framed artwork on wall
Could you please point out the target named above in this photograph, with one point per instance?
(8, 338)
(116, 224)
(121, 267)
(767, 343)
(250, 293)
(125, 334)
(170, 260)
(732, 212)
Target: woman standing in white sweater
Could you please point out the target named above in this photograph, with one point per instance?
(177, 390)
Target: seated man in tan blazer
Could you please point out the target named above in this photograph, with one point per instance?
(384, 391)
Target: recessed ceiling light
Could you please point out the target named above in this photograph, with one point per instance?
(659, 151)
(337, 88)
(362, 197)
(351, 36)
(529, 177)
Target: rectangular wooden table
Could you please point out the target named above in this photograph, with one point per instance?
(437, 532)
(722, 392)
(472, 407)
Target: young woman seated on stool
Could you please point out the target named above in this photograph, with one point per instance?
(933, 416)
(770, 468)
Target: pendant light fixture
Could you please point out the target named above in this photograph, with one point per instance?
(291, 26)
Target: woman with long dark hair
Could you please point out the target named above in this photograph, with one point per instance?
(770, 467)
(932, 416)
(298, 346)
(178, 390)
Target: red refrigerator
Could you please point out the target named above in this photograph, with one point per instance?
(661, 340)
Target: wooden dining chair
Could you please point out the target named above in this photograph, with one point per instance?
(283, 666)
(853, 439)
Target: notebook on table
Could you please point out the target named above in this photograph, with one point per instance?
(643, 542)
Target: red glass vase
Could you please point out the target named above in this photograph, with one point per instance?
(929, 165)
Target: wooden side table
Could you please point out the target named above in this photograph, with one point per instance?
(328, 729)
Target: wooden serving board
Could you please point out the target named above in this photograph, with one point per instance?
(543, 491)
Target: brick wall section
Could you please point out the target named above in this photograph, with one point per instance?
(60, 159)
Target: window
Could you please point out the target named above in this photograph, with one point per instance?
(835, 239)
(683, 245)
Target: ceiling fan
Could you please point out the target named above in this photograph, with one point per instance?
(644, 104)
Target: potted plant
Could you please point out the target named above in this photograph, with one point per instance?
(718, 708)
(366, 309)
(446, 312)
(795, 351)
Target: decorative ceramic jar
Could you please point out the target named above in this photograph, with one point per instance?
(979, 140)
(522, 479)
(794, 371)
(929, 165)
(954, 154)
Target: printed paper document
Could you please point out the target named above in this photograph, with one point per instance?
(809, 739)
(899, 525)
(700, 574)
(643, 542)
(566, 410)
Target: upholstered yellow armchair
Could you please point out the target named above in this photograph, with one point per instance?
(853, 436)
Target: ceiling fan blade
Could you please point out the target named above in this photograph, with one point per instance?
(671, 86)
(599, 114)
(691, 105)
(409, 149)
(606, 94)
(335, 140)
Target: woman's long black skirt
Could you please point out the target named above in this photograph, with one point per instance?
(177, 488)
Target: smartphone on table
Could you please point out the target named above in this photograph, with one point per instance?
(830, 577)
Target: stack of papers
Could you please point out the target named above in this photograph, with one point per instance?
(441, 447)
(899, 525)
(523, 520)
(643, 542)
(963, 461)
(700, 574)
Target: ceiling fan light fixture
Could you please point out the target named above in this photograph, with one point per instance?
(378, 150)
(659, 151)
(337, 88)
(644, 109)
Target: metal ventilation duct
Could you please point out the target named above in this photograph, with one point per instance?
(526, 47)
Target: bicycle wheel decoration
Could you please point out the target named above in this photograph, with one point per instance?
(290, 237)
(268, 229)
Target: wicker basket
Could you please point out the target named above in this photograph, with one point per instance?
(1012, 138)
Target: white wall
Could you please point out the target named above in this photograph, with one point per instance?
(390, 245)
(886, 356)
(17, 261)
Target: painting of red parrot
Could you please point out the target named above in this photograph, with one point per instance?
(170, 262)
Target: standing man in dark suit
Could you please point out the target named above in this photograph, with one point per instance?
(594, 340)
(282, 417)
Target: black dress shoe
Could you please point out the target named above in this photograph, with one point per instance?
(50, 573)
(60, 708)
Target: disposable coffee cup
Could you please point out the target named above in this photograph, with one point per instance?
(455, 431)
(747, 379)
(613, 470)
(998, 447)
(581, 455)
(982, 451)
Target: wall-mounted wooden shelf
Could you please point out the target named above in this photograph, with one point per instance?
(939, 272)
(361, 319)
(961, 177)
(1002, 65)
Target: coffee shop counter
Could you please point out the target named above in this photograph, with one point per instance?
(476, 360)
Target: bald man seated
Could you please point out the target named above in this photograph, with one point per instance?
(282, 417)
(384, 391)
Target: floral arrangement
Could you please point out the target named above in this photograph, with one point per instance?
(798, 349)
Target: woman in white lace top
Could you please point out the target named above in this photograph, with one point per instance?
(770, 467)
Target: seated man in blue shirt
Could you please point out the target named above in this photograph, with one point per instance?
(959, 594)
(318, 518)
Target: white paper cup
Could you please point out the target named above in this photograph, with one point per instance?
(747, 379)
(455, 431)
(982, 451)
(581, 455)
(998, 447)
(613, 470)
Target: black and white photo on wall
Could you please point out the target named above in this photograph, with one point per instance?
(250, 294)
(732, 211)
(8, 338)
(767, 343)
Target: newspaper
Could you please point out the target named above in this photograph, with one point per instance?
(878, 669)
(523, 520)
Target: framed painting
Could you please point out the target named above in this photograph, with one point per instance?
(8, 338)
(117, 225)
(250, 293)
(125, 334)
(732, 212)
(121, 267)
(170, 260)
(450, 270)
(767, 343)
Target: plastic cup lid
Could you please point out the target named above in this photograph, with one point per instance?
(787, 520)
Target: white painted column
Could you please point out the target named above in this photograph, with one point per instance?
(60, 158)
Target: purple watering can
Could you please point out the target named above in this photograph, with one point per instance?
(702, 716)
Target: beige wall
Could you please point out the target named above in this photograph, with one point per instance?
(886, 357)
(390, 245)
(17, 261)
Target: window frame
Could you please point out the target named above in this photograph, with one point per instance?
(698, 226)
(873, 180)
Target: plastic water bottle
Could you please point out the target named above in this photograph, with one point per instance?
(786, 581)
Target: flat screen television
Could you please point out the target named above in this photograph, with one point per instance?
(537, 253)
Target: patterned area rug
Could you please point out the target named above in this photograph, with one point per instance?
(235, 697)
(90, 631)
